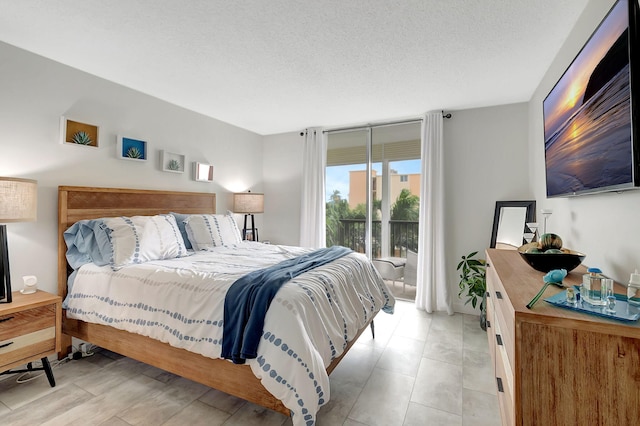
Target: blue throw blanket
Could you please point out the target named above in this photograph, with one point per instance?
(248, 299)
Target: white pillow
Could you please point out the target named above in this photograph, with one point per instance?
(207, 230)
(139, 239)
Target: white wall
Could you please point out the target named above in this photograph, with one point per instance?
(37, 91)
(603, 226)
(485, 152)
(282, 172)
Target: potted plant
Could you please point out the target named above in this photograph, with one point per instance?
(473, 283)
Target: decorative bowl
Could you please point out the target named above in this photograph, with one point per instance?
(546, 262)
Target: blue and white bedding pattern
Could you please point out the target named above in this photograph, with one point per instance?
(248, 299)
(181, 302)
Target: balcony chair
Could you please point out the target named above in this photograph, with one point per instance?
(410, 270)
(390, 268)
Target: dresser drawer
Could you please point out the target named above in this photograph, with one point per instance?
(491, 333)
(27, 333)
(504, 382)
(503, 313)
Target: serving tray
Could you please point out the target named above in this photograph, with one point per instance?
(623, 311)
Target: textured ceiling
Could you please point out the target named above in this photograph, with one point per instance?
(282, 65)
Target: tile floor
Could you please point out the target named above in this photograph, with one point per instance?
(421, 369)
(402, 292)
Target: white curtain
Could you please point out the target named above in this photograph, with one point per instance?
(432, 292)
(312, 220)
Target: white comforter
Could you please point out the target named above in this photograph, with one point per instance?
(181, 302)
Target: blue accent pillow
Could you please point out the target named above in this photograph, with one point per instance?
(180, 218)
(88, 241)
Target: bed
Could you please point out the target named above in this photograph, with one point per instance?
(81, 203)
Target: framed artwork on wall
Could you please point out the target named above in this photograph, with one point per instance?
(171, 162)
(131, 149)
(202, 172)
(77, 133)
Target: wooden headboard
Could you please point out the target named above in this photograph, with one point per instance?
(78, 202)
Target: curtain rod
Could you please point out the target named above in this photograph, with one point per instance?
(365, 126)
(381, 124)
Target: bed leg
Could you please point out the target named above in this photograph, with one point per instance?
(65, 346)
(373, 330)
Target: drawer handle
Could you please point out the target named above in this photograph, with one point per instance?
(500, 387)
(498, 295)
(499, 339)
(6, 319)
(488, 294)
(488, 324)
(5, 345)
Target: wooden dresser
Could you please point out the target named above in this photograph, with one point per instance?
(554, 366)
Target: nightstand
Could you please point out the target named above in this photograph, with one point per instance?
(30, 330)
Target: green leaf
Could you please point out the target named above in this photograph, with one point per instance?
(473, 282)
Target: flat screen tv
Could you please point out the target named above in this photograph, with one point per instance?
(591, 121)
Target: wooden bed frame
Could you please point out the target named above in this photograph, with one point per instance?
(76, 203)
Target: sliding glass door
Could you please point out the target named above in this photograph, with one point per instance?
(373, 187)
(349, 186)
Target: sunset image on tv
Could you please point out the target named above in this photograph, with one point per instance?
(587, 115)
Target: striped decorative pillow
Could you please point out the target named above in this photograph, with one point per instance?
(206, 230)
(139, 239)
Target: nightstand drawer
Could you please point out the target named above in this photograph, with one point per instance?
(27, 333)
(27, 321)
(23, 347)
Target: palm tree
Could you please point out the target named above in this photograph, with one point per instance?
(336, 209)
(406, 207)
(360, 211)
(336, 197)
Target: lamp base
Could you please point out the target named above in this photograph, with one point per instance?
(5, 274)
(245, 230)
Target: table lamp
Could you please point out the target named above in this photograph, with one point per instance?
(248, 203)
(18, 203)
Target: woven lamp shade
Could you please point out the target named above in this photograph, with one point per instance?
(248, 203)
(18, 200)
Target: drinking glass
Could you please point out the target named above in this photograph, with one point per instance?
(607, 296)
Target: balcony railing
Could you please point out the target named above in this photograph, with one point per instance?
(403, 235)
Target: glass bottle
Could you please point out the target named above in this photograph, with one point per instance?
(592, 286)
(633, 287)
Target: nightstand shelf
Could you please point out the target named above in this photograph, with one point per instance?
(30, 330)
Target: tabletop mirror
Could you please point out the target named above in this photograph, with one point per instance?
(510, 223)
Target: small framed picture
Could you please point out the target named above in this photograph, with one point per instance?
(202, 172)
(171, 162)
(76, 133)
(131, 149)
